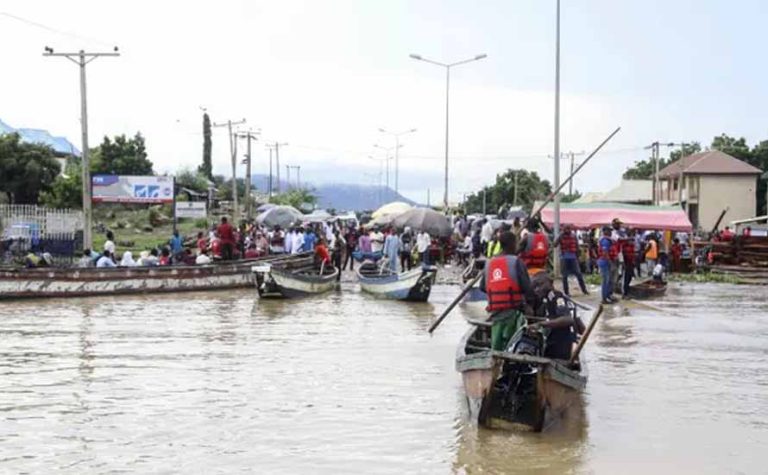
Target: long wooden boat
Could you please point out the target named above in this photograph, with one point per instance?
(475, 301)
(647, 289)
(292, 279)
(18, 283)
(515, 390)
(413, 285)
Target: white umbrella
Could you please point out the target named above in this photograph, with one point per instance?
(395, 208)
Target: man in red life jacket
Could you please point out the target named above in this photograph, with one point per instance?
(534, 248)
(505, 280)
(727, 235)
(569, 258)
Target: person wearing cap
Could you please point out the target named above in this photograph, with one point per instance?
(605, 251)
(569, 257)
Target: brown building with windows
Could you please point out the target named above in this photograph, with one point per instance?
(706, 183)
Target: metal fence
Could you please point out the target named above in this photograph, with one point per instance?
(29, 228)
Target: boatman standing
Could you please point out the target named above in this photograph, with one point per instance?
(505, 280)
(534, 248)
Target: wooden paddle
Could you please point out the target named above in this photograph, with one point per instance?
(450, 307)
(587, 332)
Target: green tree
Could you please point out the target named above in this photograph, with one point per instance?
(121, 156)
(25, 169)
(300, 198)
(645, 169)
(67, 189)
(193, 180)
(530, 188)
(571, 197)
(206, 168)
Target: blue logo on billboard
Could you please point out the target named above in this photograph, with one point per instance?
(146, 191)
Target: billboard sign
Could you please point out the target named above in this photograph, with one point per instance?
(132, 189)
(191, 209)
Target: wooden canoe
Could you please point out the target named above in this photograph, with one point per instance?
(79, 282)
(545, 389)
(647, 289)
(414, 285)
(293, 279)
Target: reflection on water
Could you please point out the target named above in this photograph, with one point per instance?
(344, 383)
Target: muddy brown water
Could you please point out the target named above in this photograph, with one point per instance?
(223, 383)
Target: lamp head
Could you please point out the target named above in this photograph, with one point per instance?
(416, 56)
(480, 56)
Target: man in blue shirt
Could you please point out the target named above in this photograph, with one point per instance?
(177, 244)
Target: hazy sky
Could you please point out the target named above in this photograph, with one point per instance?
(325, 75)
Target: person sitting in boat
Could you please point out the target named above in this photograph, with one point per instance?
(658, 274)
(561, 325)
(127, 260)
(505, 279)
(165, 257)
(106, 260)
(322, 256)
(86, 260)
(32, 260)
(203, 258)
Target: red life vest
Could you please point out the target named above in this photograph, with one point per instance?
(613, 254)
(501, 284)
(568, 243)
(536, 251)
(628, 249)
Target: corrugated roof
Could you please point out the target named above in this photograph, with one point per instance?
(630, 191)
(713, 162)
(58, 144)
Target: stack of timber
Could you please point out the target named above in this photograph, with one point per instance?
(742, 250)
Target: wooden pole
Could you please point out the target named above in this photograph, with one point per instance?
(585, 336)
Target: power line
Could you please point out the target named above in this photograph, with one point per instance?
(52, 29)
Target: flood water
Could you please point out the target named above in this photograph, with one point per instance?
(222, 383)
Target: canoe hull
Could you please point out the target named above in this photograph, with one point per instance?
(55, 282)
(276, 283)
(647, 290)
(553, 390)
(413, 286)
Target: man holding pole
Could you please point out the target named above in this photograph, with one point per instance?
(505, 280)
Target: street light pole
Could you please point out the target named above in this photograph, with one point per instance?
(397, 135)
(81, 58)
(557, 137)
(233, 152)
(447, 92)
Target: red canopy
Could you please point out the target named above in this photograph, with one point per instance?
(591, 215)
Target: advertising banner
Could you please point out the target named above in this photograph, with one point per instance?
(132, 189)
(191, 209)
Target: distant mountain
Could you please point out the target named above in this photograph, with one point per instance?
(342, 196)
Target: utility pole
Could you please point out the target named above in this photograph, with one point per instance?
(233, 151)
(397, 135)
(570, 183)
(298, 176)
(276, 146)
(556, 267)
(288, 177)
(654, 147)
(81, 58)
(484, 201)
(248, 201)
(269, 147)
(428, 204)
(514, 196)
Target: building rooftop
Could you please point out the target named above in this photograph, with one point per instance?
(59, 144)
(630, 191)
(712, 162)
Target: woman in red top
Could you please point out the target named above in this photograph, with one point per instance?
(677, 253)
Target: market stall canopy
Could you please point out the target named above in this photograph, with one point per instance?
(283, 216)
(265, 207)
(424, 219)
(318, 216)
(395, 208)
(591, 215)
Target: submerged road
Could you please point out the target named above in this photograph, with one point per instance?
(221, 383)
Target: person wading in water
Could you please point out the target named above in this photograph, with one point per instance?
(505, 280)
